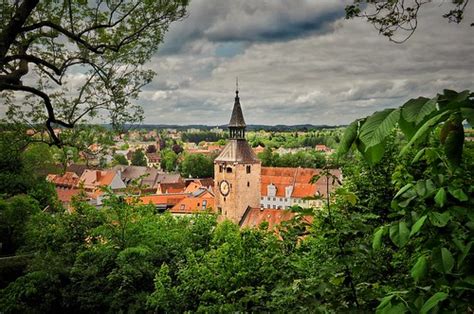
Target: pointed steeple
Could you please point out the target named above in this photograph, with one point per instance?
(237, 118)
(237, 123)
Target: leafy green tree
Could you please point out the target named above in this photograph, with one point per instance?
(120, 159)
(197, 166)
(430, 220)
(107, 41)
(168, 160)
(138, 158)
(14, 213)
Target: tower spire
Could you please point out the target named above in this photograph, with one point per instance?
(237, 86)
(237, 122)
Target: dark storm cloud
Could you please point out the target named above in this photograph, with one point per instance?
(250, 21)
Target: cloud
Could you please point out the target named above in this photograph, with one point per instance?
(250, 21)
(299, 62)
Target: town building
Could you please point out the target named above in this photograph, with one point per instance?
(282, 188)
(236, 171)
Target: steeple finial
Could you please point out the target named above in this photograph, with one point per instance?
(237, 86)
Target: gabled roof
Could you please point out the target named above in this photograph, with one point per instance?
(77, 169)
(237, 118)
(237, 151)
(68, 179)
(169, 178)
(298, 178)
(65, 195)
(97, 178)
(162, 199)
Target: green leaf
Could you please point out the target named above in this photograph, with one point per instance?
(468, 114)
(378, 126)
(465, 252)
(440, 219)
(403, 189)
(421, 188)
(417, 225)
(420, 268)
(385, 300)
(416, 109)
(458, 194)
(348, 138)
(443, 260)
(433, 301)
(399, 234)
(418, 155)
(424, 129)
(440, 197)
(409, 114)
(377, 242)
(372, 154)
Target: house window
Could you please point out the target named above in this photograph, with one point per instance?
(229, 170)
(268, 206)
(248, 184)
(219, 210)
(199, 205)
(274, 198)
(248, 169)
(274, 206)
(281, 199)
(204, 204)
(221, 168)
(182, 206)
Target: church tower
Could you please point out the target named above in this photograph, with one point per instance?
(236, 171)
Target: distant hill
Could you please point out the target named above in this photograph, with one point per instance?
(251, 127)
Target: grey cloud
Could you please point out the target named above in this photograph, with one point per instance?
(250, 21)
(319, 78)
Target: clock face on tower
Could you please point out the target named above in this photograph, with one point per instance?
(224, 187)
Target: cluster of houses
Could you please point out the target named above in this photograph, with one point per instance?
(167, 191)
(280, 188)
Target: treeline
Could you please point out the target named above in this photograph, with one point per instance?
(206, 136)
(304, 159)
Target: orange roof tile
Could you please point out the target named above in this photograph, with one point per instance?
(162, 199)
(65, 195)
(298, 178)
(68, 179)
(97, 178)
(274, 217)
(193, 186)
(193, 204)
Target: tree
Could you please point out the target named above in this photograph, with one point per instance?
(138, 158)
(197, 166)
(177, 148)
(168, 160)
(151, 149)
(429, 220)
(103, 45)
(120, 159)
(398, 19)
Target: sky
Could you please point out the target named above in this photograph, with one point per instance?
(300, 62)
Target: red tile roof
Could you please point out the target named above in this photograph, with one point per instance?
(65, 195)
(298, 178)
(162, 199)
(274, 217)
(68, 179)
(95, 178)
